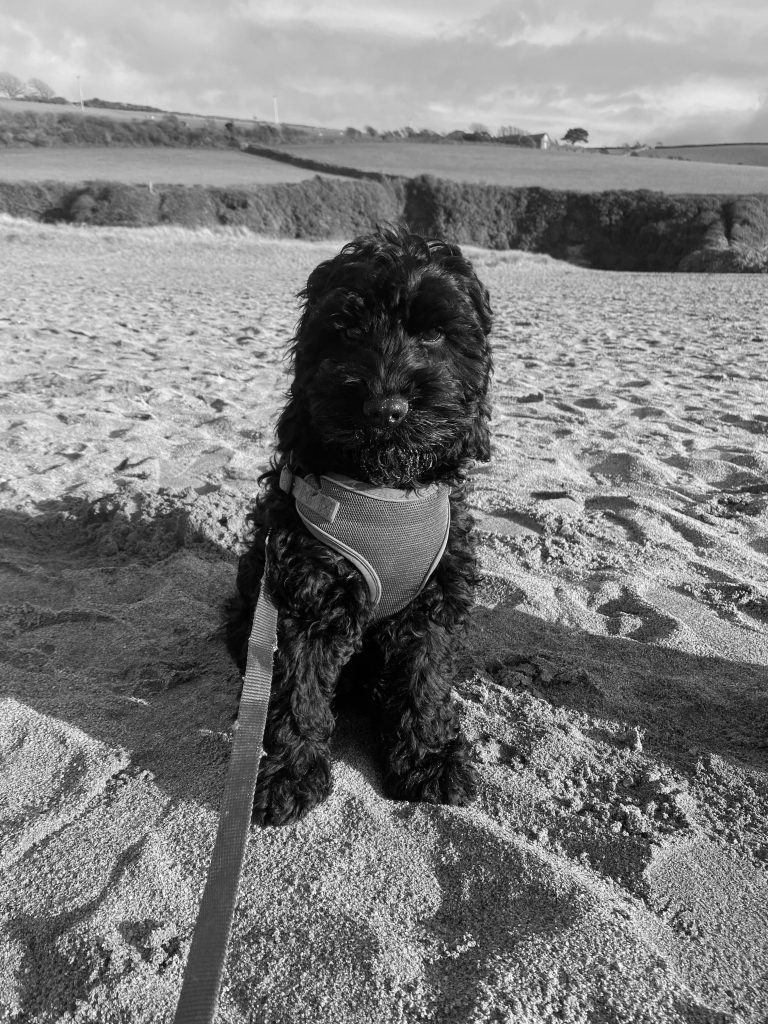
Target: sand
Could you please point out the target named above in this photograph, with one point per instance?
(614, 681)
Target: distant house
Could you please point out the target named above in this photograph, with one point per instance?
(541, 141)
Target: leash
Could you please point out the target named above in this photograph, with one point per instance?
(205, 964)
(356, 520)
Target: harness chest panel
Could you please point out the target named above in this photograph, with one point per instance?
(395, 538)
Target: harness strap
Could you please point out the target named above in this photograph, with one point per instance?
(205, 964)
(311, 496)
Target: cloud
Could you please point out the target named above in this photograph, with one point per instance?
(755, 127)
(618, 68)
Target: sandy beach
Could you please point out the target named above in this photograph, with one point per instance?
(614, 681)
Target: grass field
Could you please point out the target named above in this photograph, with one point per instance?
(141, 164)
(737, 169)
(497, 165)
(752, 153)
(557, 169)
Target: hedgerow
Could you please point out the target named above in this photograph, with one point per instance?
(617, 230)
(317, 208)
(72, 128)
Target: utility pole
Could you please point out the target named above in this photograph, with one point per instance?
(80, 90)
(277, 119)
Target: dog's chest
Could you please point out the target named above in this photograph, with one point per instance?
(394, 538)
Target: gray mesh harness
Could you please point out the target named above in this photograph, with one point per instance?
(395, 539)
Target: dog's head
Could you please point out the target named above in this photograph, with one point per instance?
(391, 364)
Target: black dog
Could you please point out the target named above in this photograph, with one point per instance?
(391, 375)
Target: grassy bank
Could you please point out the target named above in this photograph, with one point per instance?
(611, 230)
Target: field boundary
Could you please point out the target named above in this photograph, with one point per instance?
(321, 166)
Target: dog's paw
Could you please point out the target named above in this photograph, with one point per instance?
(283, 797)
(444, 778)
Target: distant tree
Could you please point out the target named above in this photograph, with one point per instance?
(574, 135)
(509, 129)
(36, 87)
(12, 86)
(477, 136)
(352, 133)
(370, 130)
(479, 129)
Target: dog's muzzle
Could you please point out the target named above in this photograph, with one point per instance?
(394, 537)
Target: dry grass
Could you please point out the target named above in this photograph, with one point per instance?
(15, 230)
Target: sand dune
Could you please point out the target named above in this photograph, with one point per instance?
(614, 681)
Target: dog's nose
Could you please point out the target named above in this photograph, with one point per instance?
(387, 411)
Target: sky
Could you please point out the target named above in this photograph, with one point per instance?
(676, 71)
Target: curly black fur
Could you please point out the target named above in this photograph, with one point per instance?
(392, 315)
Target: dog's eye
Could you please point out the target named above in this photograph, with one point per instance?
(354, 333)
(430, 339)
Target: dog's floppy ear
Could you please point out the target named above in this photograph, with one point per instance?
(288, 427)
(452, 259)
(319, 282)
(477, 443)
(476, 291)
(294, 436)
(338, 271)
(481, 300)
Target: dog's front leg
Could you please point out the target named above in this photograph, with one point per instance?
(322, 609)
(425, 753)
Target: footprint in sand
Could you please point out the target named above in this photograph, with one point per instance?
(630, 616)
(490, 750)
(645, 412)
(617, 509)
(755, 425)
(595, 403)
(628, 467)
